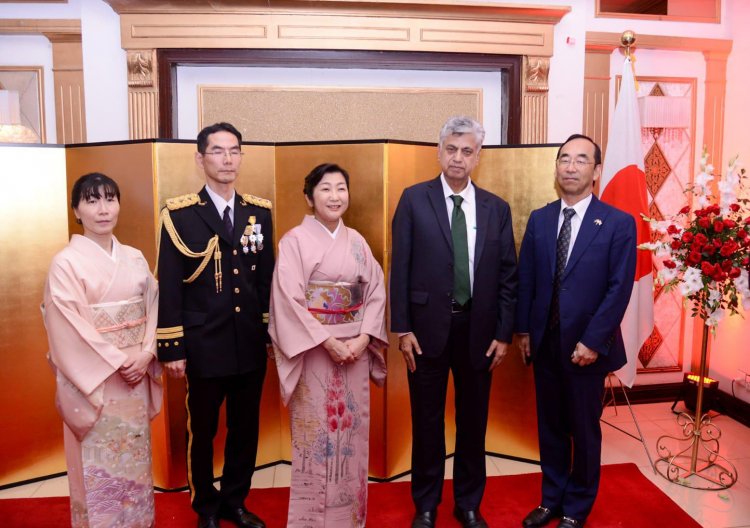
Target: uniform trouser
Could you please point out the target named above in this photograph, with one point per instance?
(204, 398)
(427, 391)
(569, 406)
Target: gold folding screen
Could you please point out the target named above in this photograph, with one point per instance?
(148, 173)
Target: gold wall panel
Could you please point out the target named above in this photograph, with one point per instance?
(278, 113)
(33, 229)
(148, 173)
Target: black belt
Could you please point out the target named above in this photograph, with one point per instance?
(460, 308)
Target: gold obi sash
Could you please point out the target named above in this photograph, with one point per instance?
(121, 323)
(334, 302)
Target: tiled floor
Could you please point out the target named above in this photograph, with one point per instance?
(712, 509)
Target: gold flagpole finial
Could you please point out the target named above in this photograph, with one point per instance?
(627, 39)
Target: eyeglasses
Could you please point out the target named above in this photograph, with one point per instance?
(221, 153)
(579, 163)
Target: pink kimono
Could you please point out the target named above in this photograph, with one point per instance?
(322, 287)
(99, 309)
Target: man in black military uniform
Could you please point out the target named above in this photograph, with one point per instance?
(215, 266)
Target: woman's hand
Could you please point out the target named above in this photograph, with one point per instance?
(134, 368)
(339, 352)
(358, 345)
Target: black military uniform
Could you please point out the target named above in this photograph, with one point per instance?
(213, 311)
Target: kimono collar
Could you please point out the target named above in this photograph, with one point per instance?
(85, 240)
(324, 228)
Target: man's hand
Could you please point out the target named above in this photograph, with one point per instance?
(357, 345)
(409, 346)
(339, 352)
(583, 355)
(524, 345)
(176, 369)
(134, 368)
(497, 350)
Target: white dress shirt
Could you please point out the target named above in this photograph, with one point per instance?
(469, 207)
(575, 221)
(220, 203)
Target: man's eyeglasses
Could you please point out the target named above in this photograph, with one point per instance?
(579, 163)
(221, 153)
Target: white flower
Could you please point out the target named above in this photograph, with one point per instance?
(714, 317)
(666, 275)
(703, 179)
(691, 281)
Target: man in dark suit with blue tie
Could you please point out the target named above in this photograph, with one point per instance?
(453, 294)
(577, 266)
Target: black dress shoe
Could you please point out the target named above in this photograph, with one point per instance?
(569, 522)
(242, 518)
(539, 516)
(469, 518)
(424, 519)
(208, 521)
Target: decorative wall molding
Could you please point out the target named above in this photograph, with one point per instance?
(67, 67)
(369, 25)
(534, 113)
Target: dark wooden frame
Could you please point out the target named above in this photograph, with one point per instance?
(169, 59)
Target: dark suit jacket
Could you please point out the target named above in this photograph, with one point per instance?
(595, 287)
(421, 281)
(225, 333)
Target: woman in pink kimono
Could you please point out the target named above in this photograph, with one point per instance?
(100, 307)
(327, 324)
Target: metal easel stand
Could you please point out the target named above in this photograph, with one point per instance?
(611, 401)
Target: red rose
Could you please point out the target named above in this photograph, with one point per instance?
(694, 257)
(742, 234)
(718, 226)
(735, 207)
(734, 273)
(669, 264)
(687, 236)
(726, 265)
(745, 261)
(701, 239)
(704, 222)
(685, 210)
(707, 268)
(673, 229)
(709, 249)
(676, 244)
(715, 209)
(719, 276)
(729, 223)
(701, 212)
(729, 247)
(747, 220)
(717, 242)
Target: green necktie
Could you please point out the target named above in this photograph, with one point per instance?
(461, 284)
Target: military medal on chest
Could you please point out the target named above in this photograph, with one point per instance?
(252, 236)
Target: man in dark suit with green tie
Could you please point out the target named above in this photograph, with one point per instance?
(453, 293)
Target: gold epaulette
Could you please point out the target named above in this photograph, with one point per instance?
(257, 200)
(180, 202)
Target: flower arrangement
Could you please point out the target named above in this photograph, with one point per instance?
(705, 252)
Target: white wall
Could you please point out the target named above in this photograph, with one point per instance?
(37, 51)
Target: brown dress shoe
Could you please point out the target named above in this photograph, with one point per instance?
(424, 519)
(538, 517)
(470, 518)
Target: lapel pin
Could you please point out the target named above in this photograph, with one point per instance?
(598, 222)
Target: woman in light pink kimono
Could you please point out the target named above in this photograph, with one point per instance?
(327, 324)
(100, 307)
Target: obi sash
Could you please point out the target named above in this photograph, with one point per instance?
(334, 303)
(122, 323)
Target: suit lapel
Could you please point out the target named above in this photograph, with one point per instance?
(437, 200)
(551, 218)
(483, 218)
(210, 215)
(588, 231)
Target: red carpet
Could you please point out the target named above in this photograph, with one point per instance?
(626, 500)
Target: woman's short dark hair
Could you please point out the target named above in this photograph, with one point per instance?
(92, 185)
(313, 179)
